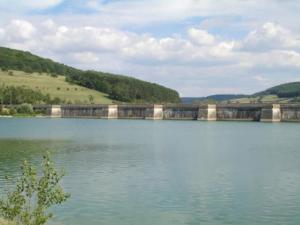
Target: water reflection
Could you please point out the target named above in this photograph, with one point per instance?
(160, 172)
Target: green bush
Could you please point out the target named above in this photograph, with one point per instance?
(12, 111)
(25, 108)
(4, 112)
(19, 95)
(34, 193)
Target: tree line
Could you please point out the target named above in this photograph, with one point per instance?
(18, 95)
(288, 90)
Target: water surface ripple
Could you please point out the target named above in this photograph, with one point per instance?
(131, 172)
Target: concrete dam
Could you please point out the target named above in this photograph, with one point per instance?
(208, 112)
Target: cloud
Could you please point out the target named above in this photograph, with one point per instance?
(149, 12)
(28, 4)
(201, 37)
(19, 30)
(195, 63)
(270, 36)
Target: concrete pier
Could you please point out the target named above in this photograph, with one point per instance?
(271, 113)
(55, 111)
(154, 113)
(207, 113)
(110, 112)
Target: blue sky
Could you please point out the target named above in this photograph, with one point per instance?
(198, 47)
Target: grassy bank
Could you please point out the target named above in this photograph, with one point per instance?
(4, 222)
(54, 86)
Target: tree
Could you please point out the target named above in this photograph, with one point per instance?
(28, 202)
(25, 108)
(91, 99)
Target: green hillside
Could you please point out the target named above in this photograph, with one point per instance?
(288, 90)
(56, 87)
(284, 93)
(117, 87)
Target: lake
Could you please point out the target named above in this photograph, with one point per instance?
(137, 172)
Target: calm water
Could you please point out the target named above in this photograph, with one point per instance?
(123, 172)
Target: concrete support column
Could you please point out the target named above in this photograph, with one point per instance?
(154, 113)
(110, 112)
(271, 114)
(55, 111)
(207, 113)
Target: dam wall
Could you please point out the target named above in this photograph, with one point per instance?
(204, 112)
(239, 112)
(290, 113)
(180, 112)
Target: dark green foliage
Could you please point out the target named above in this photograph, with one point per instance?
(19, 95)
(125, 89)
(120, 88)
(12, 111)
(34, 193)
(288, 90)
(25, 108)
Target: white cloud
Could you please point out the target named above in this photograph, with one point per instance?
(28, 4)
(20, 30)
(197, 63)
(85, 57)
(270, 36)
(201, 37)
(142, 12)
(2, 34)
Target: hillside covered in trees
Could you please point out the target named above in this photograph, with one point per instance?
(287, 90)
(117, 87)
(284, 93)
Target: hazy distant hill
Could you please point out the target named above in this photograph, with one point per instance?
(284, 93)
(116, 87)
(211, 98)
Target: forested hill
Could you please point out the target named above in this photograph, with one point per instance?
(118, 87)
(287, 90)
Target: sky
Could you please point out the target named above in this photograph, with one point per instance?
(198, 47)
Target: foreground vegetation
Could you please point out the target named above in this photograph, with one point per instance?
(117, 87)
(34, 193)
(5, 222)
(23, 110)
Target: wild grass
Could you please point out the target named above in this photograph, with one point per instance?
(54, 86)
(4, 222)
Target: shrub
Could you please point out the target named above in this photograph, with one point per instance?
(5, 111)
(33, 194)
(28, 69)
(25, 108)
(10, 73)
(12, 111)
